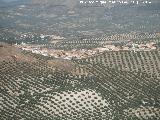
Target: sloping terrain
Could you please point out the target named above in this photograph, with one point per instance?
(35, 90)
(112, 84)
(140, 61)
(8, 52)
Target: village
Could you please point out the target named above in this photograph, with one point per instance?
(84, 53)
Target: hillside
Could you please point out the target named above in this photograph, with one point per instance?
(8, 52)
(11, 53)
(36, 90)
(40, 94)
(139, 61)
(66, 60)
